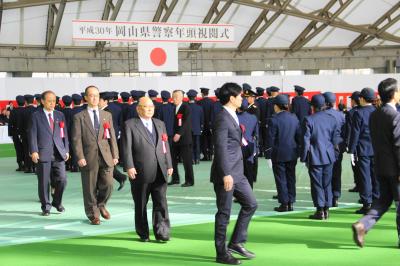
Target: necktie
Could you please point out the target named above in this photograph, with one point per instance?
(51, 123)
(96, 122)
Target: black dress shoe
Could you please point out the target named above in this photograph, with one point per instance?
(275, 197)
(59, 208)
(241, 250)
(364, 209)
(318, 215)
(282, 208)
(354, 189)
(335, 202)
(186, 185)
(228, 259)
(144, 239)
(122, 183)
(173, 183)
(45, 213)
(290, 206)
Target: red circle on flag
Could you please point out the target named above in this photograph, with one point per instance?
(158, 56)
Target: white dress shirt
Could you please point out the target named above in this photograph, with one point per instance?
(47, 115)
(91, 115)
(148, 123)
(233, 114)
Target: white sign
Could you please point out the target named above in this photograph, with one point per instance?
(157, 57)
(98, 30)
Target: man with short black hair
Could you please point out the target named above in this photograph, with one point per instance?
(385, 136)
(228, 177)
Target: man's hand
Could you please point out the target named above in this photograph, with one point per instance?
(170, 171)
(115, 161)
(228, 182)
(132, 173)
(35, 157)
(66, 156)
(176, 138)
(82, 163)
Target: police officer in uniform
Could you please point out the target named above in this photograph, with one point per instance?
(251, 99)
(249, 126)
(153, 96)
(283, 145)
(125, 106)
(197, 124)
(206, 136)
(78, 107)
(360, 144)
(167, 114)
(261, 102)
(67, 111)
(330, 101)
(320, 136)
(28, 111)
(300, 105)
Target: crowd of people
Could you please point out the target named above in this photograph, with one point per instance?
(94, 132)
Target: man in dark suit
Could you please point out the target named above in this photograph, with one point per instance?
(360, 144)
(148, 164)
(320, 136)
(385, 137)
(197, 124)
(96, 149)
(228, 178)
(49, 148)
(355, 102)
(206, 136)
(182, 140)
(300, 105)
(30, 108)
(283, 149)
(15, 130)
(330, 100)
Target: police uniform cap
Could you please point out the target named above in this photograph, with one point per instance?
(318, 100)
(105, 95)
(246, 86)
(273, 89)
(368, 94)
(191, 93)
(141, 94)
(260, 91)
(28, 97)
(299, 88)
(355, 95)
(38, 96)
(67, 100)
(152, 93)
(125, 95)
(248, 93)
(330, 97)
(165, 94)
(281, 99)
(204, 90)
(134, 93)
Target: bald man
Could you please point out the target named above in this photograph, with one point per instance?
(147, 160)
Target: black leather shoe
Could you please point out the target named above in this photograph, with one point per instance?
(318, 215)
(45, 213)
(290, 206)
(364, 209)
(275, 197)
(228, 259)
(241, 250)
(354, 189)
(144, 239)
(186, 185)
(122, 183)
(173, 183)
(335, 202)
(59, 208)
(282, 208)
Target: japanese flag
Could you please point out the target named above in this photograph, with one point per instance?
(158, 57)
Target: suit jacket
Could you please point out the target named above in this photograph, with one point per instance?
(360, 138)
(45, 142)
(185, 130)
(284, 137)
(320, 136)
(141, 153)
(385, 136)
(87, 145)
(15, 123)
(228, 158)
(27, 116)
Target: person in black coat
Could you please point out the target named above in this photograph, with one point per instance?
(15, 130)
(197, 124)
(385, 137)
(167, 115)
(206, 136)
(67, 111)
(228, 177)
(27, 118)
(157, 105)
(301, 106)
(261, 102)
(182, 140)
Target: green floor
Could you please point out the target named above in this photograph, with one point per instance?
(26, 238)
